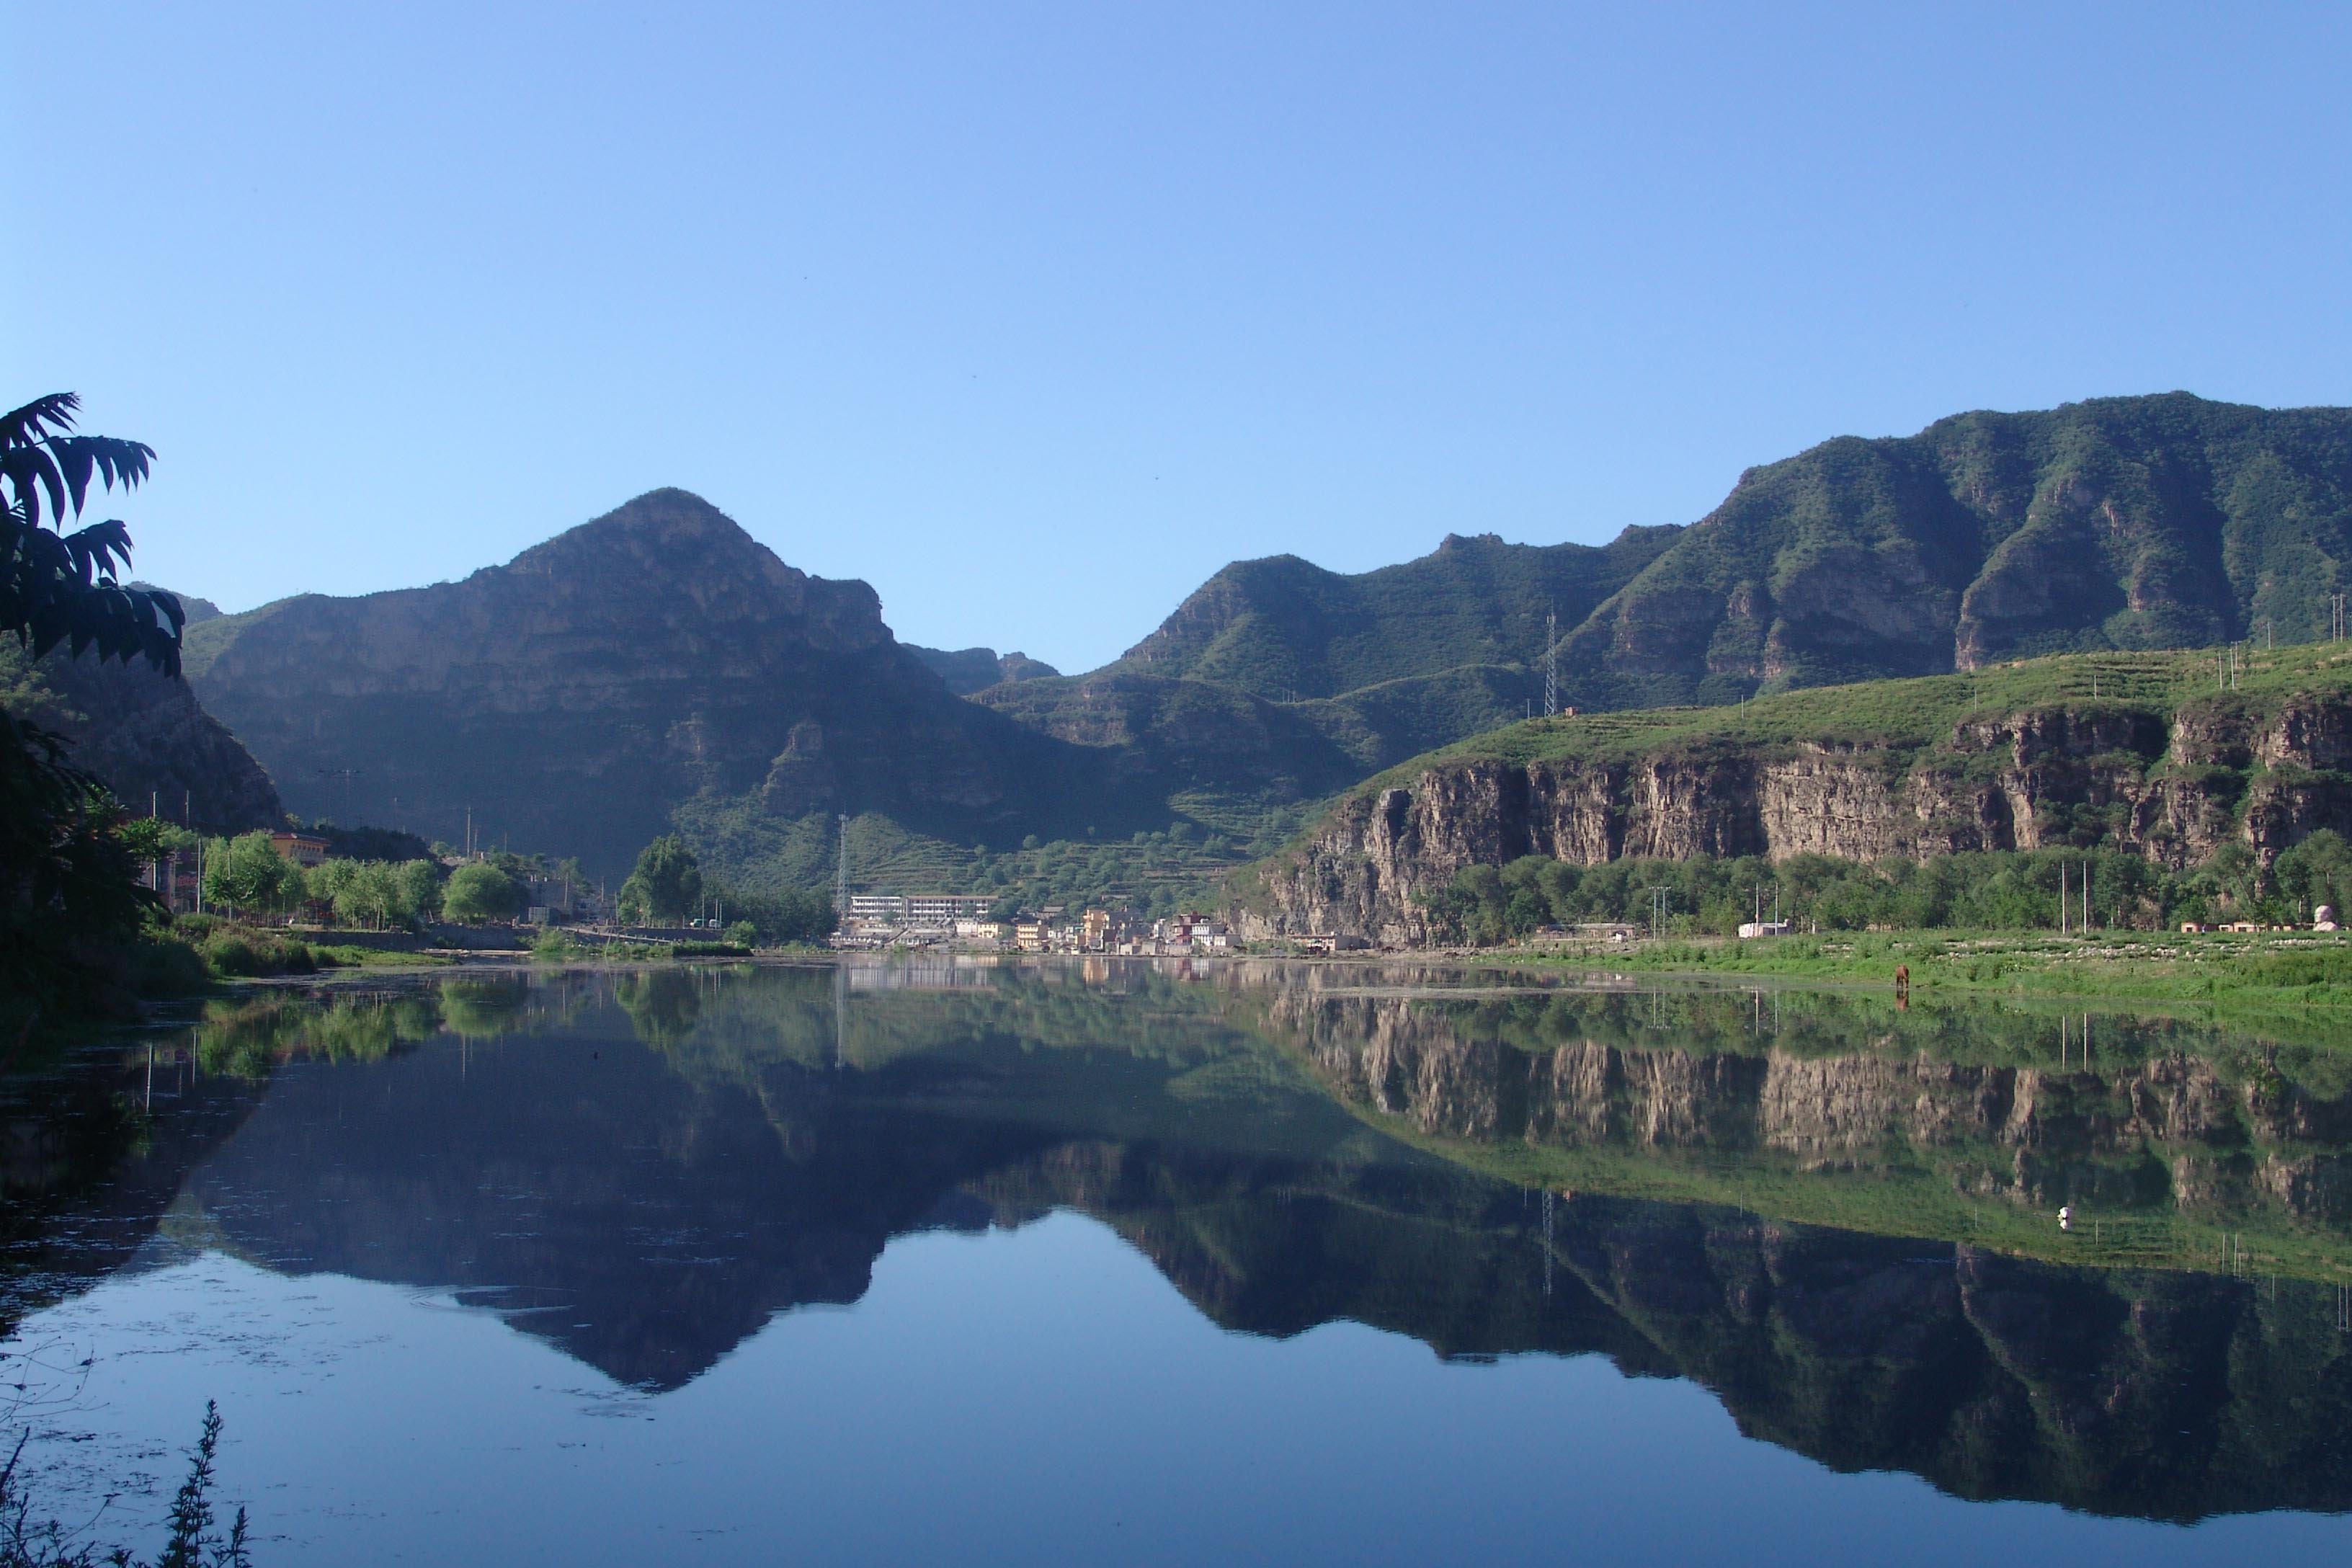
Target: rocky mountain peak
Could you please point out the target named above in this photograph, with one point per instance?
(575, 696)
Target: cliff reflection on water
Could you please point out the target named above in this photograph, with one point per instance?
(1837, 1218)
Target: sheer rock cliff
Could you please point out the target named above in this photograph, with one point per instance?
(2169, 788)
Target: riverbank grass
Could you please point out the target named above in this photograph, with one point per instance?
(2304, 969)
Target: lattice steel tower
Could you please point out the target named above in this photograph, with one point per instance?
(841, 874)
(1551, 662)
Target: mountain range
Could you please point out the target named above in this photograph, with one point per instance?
(659, 665)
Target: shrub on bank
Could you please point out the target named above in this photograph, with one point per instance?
(236, 954)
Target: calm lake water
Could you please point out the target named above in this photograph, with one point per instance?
(1125, 1263)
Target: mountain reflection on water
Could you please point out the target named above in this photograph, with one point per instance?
(644, 1168)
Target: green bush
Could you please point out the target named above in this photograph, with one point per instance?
(480, 891)
(246, 955)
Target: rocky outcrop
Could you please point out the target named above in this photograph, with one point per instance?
(2168, 786)
(145, 737)
(968, 669)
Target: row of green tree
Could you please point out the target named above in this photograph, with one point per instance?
(2000, 890)
(247, 876)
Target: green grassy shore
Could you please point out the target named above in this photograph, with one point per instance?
(2248, 972)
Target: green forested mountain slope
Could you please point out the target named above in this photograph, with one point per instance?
(1285, 629)
(1277, 676)
(2126, 523)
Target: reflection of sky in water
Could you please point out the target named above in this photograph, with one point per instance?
(1038, 1396)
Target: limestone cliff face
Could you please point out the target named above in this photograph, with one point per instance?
(2170, 788)
(573, 697)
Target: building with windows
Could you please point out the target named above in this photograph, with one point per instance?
(919, 908)
(300, 847)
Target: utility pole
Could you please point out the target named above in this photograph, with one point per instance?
(1551, 662)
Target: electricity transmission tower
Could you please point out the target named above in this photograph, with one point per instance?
(841, 874)
(1658, 895)
(1551, 662)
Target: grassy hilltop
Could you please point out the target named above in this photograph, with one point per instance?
(1917, 713)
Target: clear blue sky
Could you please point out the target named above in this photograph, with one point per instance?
(1033, 317)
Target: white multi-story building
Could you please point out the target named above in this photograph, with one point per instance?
(946, 908)
(919, 908)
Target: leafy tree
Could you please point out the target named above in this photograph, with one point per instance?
(793, 915)
(667, 883)
(60, 587)
(148, 838)
(372, 893)
(68, 882)
(248, 873)
(479, 891)
(2315, 872)
(326, 882)
(420, 888)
